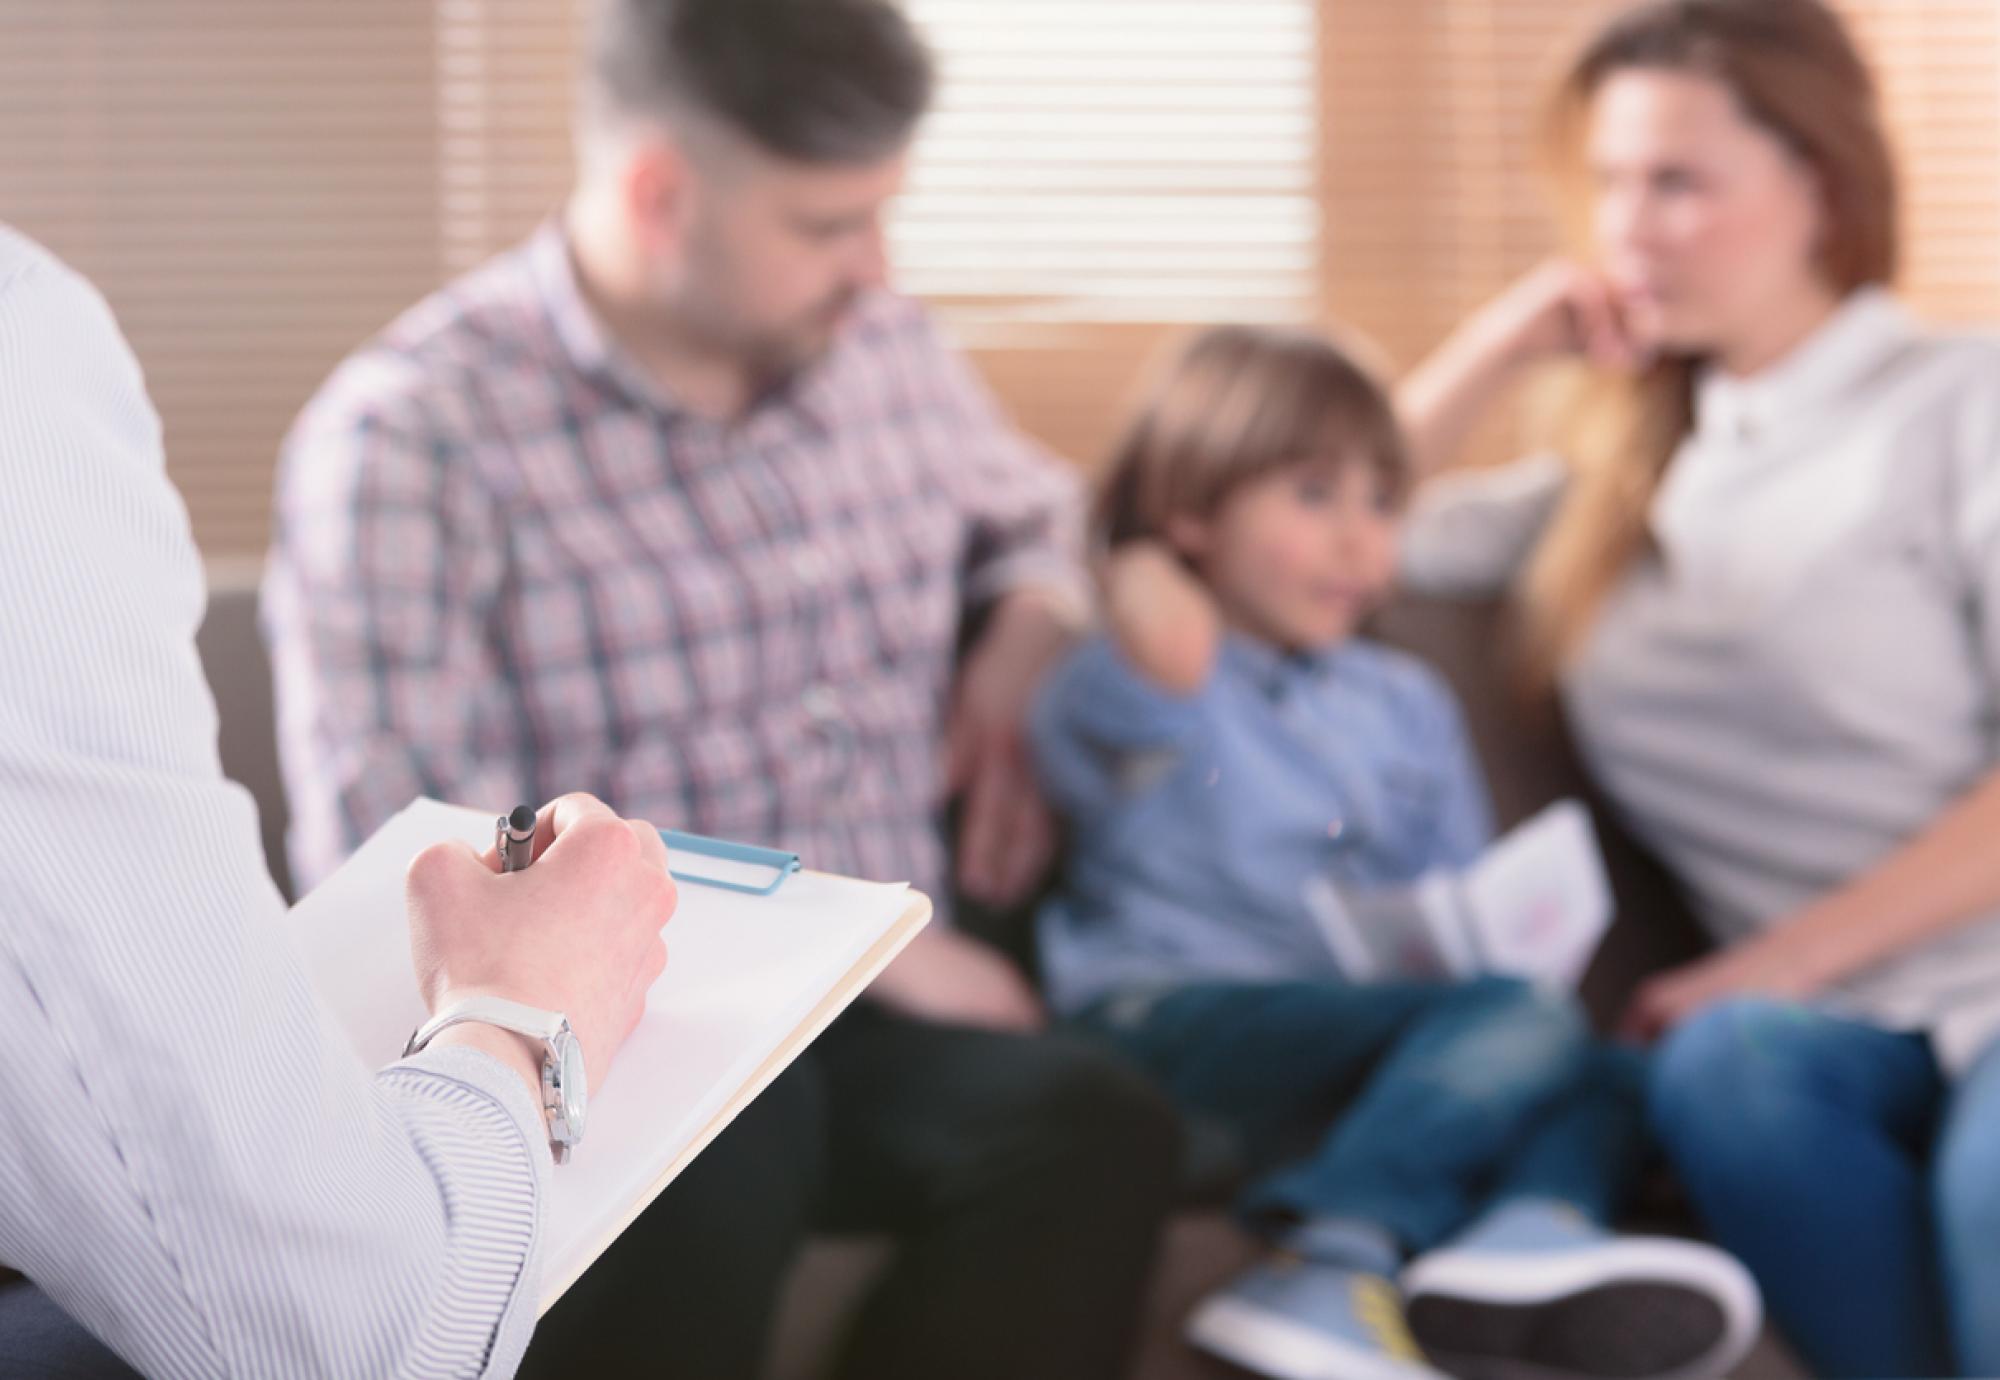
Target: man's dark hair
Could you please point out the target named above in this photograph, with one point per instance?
(814, 81)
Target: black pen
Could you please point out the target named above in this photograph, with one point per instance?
(514, 837)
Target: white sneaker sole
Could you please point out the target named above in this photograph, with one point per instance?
(1282, 1348)
(1656, 1308)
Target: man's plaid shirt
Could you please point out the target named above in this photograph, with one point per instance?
(507, 567)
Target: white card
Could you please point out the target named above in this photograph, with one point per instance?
(1535, 905)
(1538, 902)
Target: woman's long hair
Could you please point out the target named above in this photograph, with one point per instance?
(1794, 71)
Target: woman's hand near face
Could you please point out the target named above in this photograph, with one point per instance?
(1558, 310)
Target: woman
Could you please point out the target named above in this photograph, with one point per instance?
(1765, 576)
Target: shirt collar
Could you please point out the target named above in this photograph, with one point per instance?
(593, 350)
(1272, 669)
(1863, 331)
(582, 335)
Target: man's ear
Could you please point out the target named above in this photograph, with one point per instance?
(658, 191)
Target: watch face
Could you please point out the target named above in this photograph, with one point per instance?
(575, 1095)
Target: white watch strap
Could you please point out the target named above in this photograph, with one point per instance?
(518, 1017)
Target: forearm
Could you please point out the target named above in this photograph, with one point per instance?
(1163, 620)
(1945, 878)
(1444, 399)
(1039, 621)
(518, 1054)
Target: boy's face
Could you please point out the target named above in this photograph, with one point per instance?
(1299, 557)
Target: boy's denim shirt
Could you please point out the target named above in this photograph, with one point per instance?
(1197, 821)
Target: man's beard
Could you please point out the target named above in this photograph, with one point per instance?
(781, 355)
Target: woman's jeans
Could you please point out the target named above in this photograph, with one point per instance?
(1861, 1188)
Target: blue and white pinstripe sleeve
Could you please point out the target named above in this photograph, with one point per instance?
(193, 1162)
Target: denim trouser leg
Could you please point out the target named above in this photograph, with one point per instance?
(1588, 1148)
(1966, 1193)
(1428, 1089)
(1801, 1138)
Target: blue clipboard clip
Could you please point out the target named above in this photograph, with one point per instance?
(743, 867)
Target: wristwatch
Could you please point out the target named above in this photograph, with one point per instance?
(564, 1088)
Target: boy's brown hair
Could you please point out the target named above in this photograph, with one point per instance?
(1234, 404)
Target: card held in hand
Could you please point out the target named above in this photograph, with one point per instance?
(1535, 905)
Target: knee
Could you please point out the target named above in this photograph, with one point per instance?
(1513, 1033)
(1102, 1115)
(1545, 1012)
(1715, 1073)
(775, 1149)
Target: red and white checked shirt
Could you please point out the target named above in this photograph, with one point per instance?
(507, 566)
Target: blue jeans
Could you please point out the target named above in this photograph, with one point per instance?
(1834, 1159)
(38, 1341)
(1408, 1106)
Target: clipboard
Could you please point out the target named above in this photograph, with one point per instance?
(757, 968)
(739, 867)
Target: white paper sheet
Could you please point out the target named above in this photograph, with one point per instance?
(744, 974)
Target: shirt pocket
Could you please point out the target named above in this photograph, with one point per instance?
(1396, 838)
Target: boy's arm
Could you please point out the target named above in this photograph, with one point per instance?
(1162, 617)
(1135, 689)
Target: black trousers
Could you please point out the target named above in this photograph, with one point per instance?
(1025, 1178)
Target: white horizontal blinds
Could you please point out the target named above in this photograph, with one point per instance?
(1939, 66)
(253, 186)
(1117, 160)
(506, 85)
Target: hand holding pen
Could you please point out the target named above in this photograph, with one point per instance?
(514, 838)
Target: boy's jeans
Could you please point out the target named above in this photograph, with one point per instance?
(1409, 1106)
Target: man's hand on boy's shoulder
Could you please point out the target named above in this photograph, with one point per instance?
(1006, 836)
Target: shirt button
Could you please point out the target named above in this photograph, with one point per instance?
(807, 566)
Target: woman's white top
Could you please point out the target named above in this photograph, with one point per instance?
(1807, 673)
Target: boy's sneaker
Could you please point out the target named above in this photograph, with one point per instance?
(1291, 1318)
(1535, 1291)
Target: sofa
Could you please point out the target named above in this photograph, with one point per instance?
(1529, 763)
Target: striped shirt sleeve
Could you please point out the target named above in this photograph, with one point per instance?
(193, 1162)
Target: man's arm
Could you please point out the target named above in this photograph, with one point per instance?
(1023, 512)
(378, 605)
(193, 1163)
